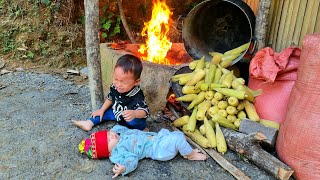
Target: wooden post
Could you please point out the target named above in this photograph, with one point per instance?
(262, 23)
(93, 52)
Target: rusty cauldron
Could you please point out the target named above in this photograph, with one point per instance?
(217, 25)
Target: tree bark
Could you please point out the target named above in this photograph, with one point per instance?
(124, 22)
(262, 23)
(93, 52)
(248, 145)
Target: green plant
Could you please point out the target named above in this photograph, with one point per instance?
(30, 55)
(7, 40)
(110, 25)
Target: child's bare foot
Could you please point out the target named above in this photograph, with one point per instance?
(85, 125)
(196, 155)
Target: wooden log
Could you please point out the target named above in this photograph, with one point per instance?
(262, 23)
(248, 145)
(93, 53)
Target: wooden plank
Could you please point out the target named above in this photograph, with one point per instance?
(282, 25)
(317, 28)
(298, 28)
(306, 20)
(277, 22)
(287, 26)
(225, 164)
(293, 22)
(271, 18)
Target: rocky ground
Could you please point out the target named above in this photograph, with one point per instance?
(38, 140)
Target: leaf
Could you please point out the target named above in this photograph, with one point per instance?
(110, 15)
(107, 25)
(102, 20)
(104, 35)
(47, 2)
(116, 30)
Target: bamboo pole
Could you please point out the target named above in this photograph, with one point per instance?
(282, 25)
(277, 22)
(313, 17)
(287, 26)
(307, 20)
(293, 22)
(270, 20)
(317, 28)
(93, 52)
(297, 30)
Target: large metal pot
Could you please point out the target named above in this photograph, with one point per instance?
(217, 25)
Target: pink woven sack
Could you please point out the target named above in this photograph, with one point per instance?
(275, 74)
(298, 143)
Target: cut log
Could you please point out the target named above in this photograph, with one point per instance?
(248, 145)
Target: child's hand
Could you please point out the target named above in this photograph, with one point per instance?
(129, 115)
(98, 112)
(118, 169)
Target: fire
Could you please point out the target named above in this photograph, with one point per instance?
(157, 43)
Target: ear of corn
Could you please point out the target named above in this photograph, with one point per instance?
(231, 110)
(209, 95)
(202, 130)
(198, 85)
(210, 134)
(181, 121)
(238, 50)
(223, 112)
(237, 123)
(199, 139)
(213, 110)
(213, 85)
(184, 79)
(176, 78)
(231, 118)
(204, 87)
(193, 64)
(227, 60)
(222, 121)
(251, 111)
(269, 123)
(241, 115)
(197, 100)
(216, 57)
(222, 104)
(187, 97)
(218, 96)
(227, 80)
(190, 90)
(211, 72)
(202, 111)
(191, 126)
(221, 141)
(231, 92)
(233, 101)
(196, 77)
(217, 76)
(200, 64)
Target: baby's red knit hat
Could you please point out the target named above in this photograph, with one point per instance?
(96, 146)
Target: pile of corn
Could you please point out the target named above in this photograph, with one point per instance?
(217, 98)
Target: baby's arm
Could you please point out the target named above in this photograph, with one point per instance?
(118, 169)
(124, 158)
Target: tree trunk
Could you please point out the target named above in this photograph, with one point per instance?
(93, 53)
(124, 22)
(262, 23)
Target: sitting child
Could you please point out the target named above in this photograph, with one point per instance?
(125, 147)
(125, 102)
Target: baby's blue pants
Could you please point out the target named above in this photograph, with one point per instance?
(166, 145)
(109, 116)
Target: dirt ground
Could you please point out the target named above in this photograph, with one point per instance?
(38, 140)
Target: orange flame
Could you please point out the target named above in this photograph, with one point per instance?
(157, 43)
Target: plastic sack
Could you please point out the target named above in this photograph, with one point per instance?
(298, 143)
(275, 74)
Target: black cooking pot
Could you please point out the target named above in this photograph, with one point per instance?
(217, 25)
